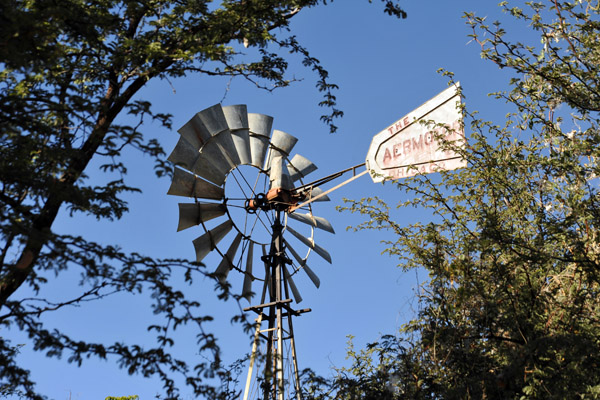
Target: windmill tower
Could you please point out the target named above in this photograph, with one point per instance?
(245, 185)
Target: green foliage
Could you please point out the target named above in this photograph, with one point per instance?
(71, 72)
(513, 253)
(385, 370)
(134, 397)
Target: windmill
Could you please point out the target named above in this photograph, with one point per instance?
(243, 182)
(247, 187)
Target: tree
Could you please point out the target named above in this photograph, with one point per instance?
(512, 251)
(134, 397)
(385, 370)
(71, 70)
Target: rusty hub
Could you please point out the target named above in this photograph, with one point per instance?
(275, 199)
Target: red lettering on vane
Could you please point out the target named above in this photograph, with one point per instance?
(398, 126)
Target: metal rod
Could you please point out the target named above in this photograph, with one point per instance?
(253, 356)
(293, 346)
(273, 299)
(297, 206)
(261, 306)
(259, 335)
(328, 178)
(278, 264)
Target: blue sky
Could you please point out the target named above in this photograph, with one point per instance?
(385, 68)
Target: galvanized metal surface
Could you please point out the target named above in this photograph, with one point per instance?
(207, 126)
(281, 145)
(196, 213)
(184, 154)
(236, 117)
(211, 164)
(293, 286)
(317, 194)
(241, 141)
(260, 124)
(309, 219)
(247, 286)
(311, 243)
(279, 174)
(300, 167)
(188, 185)
(228, 148)
(312, 276)
(237, 120)
(226, 263)
(208, 242)
(219, 132)
(211, 121)
(260, 132)
(302, 264)
(193, 133)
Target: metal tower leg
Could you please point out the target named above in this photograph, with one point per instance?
(293, 347)
(253, 356)
(278, 309)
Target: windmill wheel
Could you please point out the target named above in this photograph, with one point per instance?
(242, 178)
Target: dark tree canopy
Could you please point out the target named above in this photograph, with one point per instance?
(510, 310)
(70, 69)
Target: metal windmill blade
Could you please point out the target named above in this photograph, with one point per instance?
(300, 167)
(311, 243)
(260, 132)
(210, 166)
(197, 213)
(227, 264)
(302, 264)
(247, 286)
(293, 286)
(314, 192)
(279, 175)
(237, 120)
(210, 126)
(309, 219)
(208, 241)
(184, 154)
(188, 185)
(281, 145)
(215, 149)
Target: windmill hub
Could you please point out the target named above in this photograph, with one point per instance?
(277, 199)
